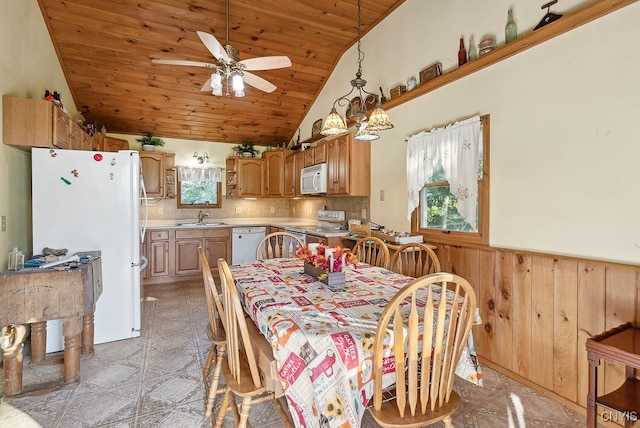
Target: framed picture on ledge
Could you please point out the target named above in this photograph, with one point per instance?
(316, 128)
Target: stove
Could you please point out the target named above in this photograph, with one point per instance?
(329, 224)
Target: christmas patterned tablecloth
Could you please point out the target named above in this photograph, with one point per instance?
(322, 339)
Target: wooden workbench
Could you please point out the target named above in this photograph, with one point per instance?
(33, 296)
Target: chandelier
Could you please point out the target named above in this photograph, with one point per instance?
(368, 125)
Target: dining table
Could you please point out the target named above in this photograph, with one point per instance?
(323, 337)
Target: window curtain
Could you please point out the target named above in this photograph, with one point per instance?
(198, 175)
(455, 147)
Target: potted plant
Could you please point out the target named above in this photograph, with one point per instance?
(149, 142)
(246, 150)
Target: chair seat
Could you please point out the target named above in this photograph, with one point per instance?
(389, 417)
(243, 386)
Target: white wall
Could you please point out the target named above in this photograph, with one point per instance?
(564, 145)
(28, 66)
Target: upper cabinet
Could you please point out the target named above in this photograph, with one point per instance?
(40, 123)
(348, 167)
(275, 173)
(37, 123)
(245, 177)
(158, 173)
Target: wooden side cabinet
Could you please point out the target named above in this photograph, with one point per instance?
(620, 344)
(158, 253)
(158, 173)
(348, 167)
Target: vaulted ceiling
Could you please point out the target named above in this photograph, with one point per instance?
(106, 50)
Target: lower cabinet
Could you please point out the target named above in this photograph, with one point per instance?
(173, 253)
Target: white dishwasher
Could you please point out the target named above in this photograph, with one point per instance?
(244, 241)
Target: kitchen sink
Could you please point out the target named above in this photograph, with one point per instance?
(197, 224)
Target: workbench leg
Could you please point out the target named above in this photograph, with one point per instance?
(38, 342)
(71, 330)
(13, 364)
(87, 334)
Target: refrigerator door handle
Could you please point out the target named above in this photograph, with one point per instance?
(146, 209)
(143, 263)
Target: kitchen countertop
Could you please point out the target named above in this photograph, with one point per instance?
(310, 225)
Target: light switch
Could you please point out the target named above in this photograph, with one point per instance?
(238, 210)
(382, 195)
(273, 210)
(4, 223)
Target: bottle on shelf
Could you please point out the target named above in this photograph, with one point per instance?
(510, 30)
(462, 53)
(16, 259)
(473, 52)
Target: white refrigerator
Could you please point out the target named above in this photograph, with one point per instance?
(86, 201)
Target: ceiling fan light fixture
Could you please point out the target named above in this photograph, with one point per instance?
(237, 83)
(216, 84)
(333, 124)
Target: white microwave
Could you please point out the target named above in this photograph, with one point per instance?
(313, 179)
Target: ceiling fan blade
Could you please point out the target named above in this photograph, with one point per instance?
(214, 46)
(266, 63)
(258, 82)
(182, 62)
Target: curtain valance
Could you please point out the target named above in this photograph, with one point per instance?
(199, 174)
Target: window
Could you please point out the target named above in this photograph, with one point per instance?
(438, 216)
(199, 187)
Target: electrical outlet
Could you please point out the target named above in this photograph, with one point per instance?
(4, 223)
(364, 213)
(273, 210)
(382, 195)
(310, 210)
(238, 210)
(294, 210)
(161, 211)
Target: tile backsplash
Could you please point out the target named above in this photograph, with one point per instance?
(306, 208)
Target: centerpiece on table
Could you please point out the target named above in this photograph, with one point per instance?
(327, 264)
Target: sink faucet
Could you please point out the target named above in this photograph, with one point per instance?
(201, 216)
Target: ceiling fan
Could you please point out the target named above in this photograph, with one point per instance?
(230, 67)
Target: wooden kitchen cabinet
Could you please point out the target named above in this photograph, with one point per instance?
(111, 144)
(158, 257)
(292, 166)
(245, 178)
(156, 168)
(173, 253)
(274, 176)
(35, 123)
(348, 167)
(216, 243)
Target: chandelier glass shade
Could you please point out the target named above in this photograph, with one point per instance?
(368, 125)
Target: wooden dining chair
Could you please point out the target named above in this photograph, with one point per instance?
(426, 345)
(215, 333)
(240, 366)
(278, 244)
(414, 259)
(372, 250)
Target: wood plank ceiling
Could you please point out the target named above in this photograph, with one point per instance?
(106, 48)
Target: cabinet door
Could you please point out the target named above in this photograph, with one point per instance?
(187, 257)
(111, 144)
(61, 129)
(309, 159)
(75, 136)
(338, 166)
(299, 164)
(216, 248)
(290, 175)
(158, 259)
(153, 173)
(249, 177)
(320, 153)
(275, 173)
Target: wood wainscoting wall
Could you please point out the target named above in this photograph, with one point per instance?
(538, 310)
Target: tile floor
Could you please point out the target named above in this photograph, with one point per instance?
(156, 381)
